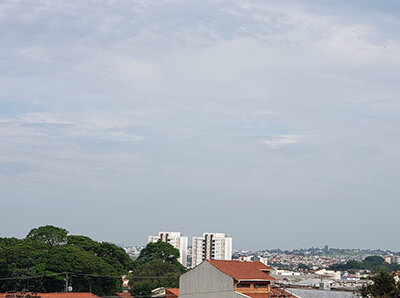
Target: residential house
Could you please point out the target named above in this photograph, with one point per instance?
(229, 279)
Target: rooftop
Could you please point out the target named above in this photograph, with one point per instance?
(243, 270)
(48, 295)
(173, 291)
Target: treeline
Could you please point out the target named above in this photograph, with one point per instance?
(49, 260)
(372, 264)
(47, 256)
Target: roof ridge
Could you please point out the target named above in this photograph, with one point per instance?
(239, 270)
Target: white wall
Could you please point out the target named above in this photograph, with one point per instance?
(228, 248)
(183, 250)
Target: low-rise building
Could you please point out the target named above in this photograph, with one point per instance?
(284, 272)
(229, 279)
(388, 259)
(329, 273)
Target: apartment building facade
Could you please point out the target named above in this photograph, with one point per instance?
(211, 246)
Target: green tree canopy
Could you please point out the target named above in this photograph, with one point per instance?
(48, 255)
(50, 235)
(374, 261)
(83, 242)
(159, 251)
(4, 242)
(371, 263)
(109, 252)
(384, 285)
(158, 274)
(158, 262)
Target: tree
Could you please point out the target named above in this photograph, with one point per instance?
(303, 267)
(384, 285)
(20, 260)
(157, 266)
(48, 255)
(50, 235)
(4, 242)
(115, 256)
(157, 274)
(374, 261)
(159, 251)
(112, 254)
(88, 271)
(83, 242)
(371, 263)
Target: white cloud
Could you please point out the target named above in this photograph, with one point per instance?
(283, 140)
(117, 126)
(41, 118)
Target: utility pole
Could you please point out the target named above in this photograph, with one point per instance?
(66, 282)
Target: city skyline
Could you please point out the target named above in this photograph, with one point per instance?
(145, 240)
(276, 122)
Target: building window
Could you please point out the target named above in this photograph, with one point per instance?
(261, 285)
(243, 285)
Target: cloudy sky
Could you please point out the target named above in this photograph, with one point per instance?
(277, 122)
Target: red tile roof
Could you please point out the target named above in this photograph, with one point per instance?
(172, 292)
(243, 270)
(49, 295)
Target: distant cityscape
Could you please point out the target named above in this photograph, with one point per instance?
(218, 246)
(306, 267)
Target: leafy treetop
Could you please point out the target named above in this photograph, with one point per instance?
(109, 252)
(50, 235)
(159, 262)
(158, 251)
(47, 253)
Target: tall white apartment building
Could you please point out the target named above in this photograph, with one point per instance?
(176, 240)
(215, 246)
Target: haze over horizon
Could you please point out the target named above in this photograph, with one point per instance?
(276, 122)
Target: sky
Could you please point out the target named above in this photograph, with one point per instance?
(276, 122)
